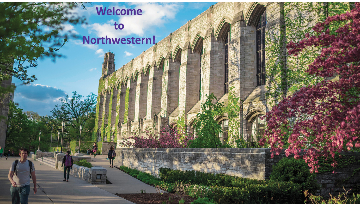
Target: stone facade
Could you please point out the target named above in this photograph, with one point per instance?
(222, 49)
(209, 54)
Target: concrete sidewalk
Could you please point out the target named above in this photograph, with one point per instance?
(53, 190)
(121, 182)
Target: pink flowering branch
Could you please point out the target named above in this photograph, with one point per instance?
(325, 118)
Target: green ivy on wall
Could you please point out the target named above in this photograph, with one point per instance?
(287, 74)
(94, 137)
(109, 128)
(117, 112)
(103, 125)
(181, 126)
(232, 109)
(126, 105)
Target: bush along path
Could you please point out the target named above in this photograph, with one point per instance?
(224, 189)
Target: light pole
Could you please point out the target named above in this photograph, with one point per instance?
(51, 137)
(39, 140)
(58, 139)
(62, 134)
(80, 138)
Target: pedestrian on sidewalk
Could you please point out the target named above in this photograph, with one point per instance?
(19, 175)
(8, 154)
(1, 152)
(94, 149)
(68, 161)
(111, 156)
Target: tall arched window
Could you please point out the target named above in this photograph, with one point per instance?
(258, 128)
(226, 82)
(260, 50)
(223, 136)
(201, 54)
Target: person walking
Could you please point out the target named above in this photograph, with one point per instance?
(19, 176)
(1, 152)
(94, 149)
(111, 156)
(68, 161)
(8, 154)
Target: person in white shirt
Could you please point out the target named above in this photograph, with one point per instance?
(19, 176)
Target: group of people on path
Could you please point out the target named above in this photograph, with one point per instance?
(22, 170)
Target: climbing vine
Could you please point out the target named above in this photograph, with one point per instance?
(96, 119)
(299, 18)
(126, 105)
(181, 126)
(117, 111)
(108, 130)
(232, 108)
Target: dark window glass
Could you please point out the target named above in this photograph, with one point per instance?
(226, 84)
(260, 50)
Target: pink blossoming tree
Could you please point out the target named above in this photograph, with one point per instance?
(324, 118)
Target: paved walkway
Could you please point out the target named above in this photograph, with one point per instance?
(53, 190)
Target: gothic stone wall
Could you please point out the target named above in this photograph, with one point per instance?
(171, 79)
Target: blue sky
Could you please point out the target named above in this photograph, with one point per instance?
(80, 69)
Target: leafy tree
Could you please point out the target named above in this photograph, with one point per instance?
(24, 131)
(76, 112)
(206, 127)
(30, 31)
(323, 118)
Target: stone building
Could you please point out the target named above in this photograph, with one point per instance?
(221, 48)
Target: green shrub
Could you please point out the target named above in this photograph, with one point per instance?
(203, 201)
(84, 163)
(296, 171)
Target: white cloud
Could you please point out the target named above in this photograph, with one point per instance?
(93, 69)
(128, 54)
(91, 46)
(69, 28)
(100, 52)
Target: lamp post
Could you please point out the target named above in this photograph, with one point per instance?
(80, 138)
(62, 134)
(39, 140)
(51, 137)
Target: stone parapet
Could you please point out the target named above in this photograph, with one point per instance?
(81, 172)
(247, 163)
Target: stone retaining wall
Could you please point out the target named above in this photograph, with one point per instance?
(247, 163)
(255, 163)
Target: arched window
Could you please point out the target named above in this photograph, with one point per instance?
(226, 82)
(223, 136)
(201, 54)
(258, 128)
(260, 50)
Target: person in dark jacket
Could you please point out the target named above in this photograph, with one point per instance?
(68, 161)
(111, 156)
